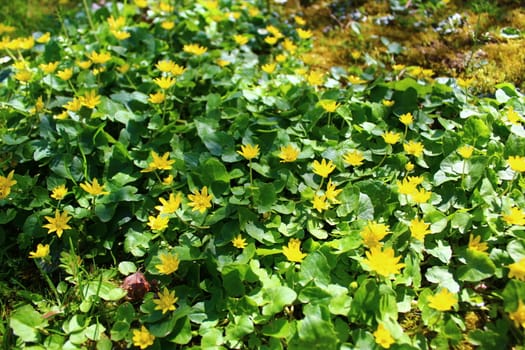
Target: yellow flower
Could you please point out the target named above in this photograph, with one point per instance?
(200, 200)
(320, 203)
(299, 20)
(49, 68)
(249, 151)
(443, 300)
(142, 337)
(354, 158)
(475, 243)
(123, 68)
(59, 192)
(515, 217)
(159, 163)
(517, 163)
(355, 80)
(280, 58)
(74, 105)
(167, 25)
(274, 31)
(99, 58)
(141, 3)
(65, 74)
(93, 188)
(388, 103)
(269, 68)
(90, 99)
(329, 105)
(6, 182)
(57, 224)
(518, 316)
(177, 70)
(406, 118)
(239, 242)
(406, 186)
(166, 301)
(166, 7)
(414, 148)
(169, 263)
(288, 154)
(419, 229)
(222, 63)
(398, 67)
(120, 34)
(421, 196)
(194, 49)
(23, 75)
(416, 180)
(315, 78)
(84, 64)
(304, 34)
(409, 166)
(512, 116)
(165, 66)
(289, 46)
(157, 97)
(116, 24)
(465, 151)
(323, 169)
(44, 38)
(293, 251)
(168, 180)
(373, 233)
(383, 337)
(171, 205)
(383, 262)
(158, 223)
(464, 83)
(164, 82)
(270, 40)
(391, 137)
(42, 251)
(355, 54)
(517, 270)
(61, 116)
(240, 39)
(331, 192)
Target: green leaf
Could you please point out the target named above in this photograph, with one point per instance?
(259, 233)
(315, 268)
(478, 266)
(316, 329)
(137, 243)
(27, 324)
(441, 276)
(127, 267)
(241, 326)
(278, 328)
(265, 197)
(276, 299)
(95, 331)
(476, 131)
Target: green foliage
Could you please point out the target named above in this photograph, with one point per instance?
(216, 203)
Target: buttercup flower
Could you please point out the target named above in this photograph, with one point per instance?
(6, 182)
(421, 196)
(391, 137)
(23, 75)
(123, 68)
(288, 154)
(158, 223)
(169, 263)
(517, 163)
(289, 46)
(157, 97)
(143, 338)
(515, 217)
(159, 163)
(513, 117)
(383, 337)
(383, 262)
(93, 188)
(171, 205)
(331, 192)
(409, 166)
(388, 103)
(57, 224)
(304, 34)
(315, 78)
(200, 200)
(42, 251)
(354, 158)
(116, 23)
(269, 68)
(354, 80)
(239, 242)
(165, 65)
(240, 39)
(49, 68)
(168, 180)
(120, 34)
(280, 58)
(373, 233)
(419, 229)
(271, 40)
(465, 151)
(274, 31)
(74, 105)
(320, 203)
(406, 186)
(84, 64)
(406, 118)
(518, 316)
(329, 105)
(194, 49)
(443, 300)
(293, 251)
(249, 151)
(65, 74)
(414, 148)
(44, 38)
(59, 192)
(474, 243)
(517, 270)
(166, 301)
(90, 99)
(299, 20)
(164, 82)
(323, 169)
(99, 58)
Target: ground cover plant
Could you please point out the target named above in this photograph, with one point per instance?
(173, 175)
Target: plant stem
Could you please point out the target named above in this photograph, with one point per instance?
(49, 283)
(88, 14)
